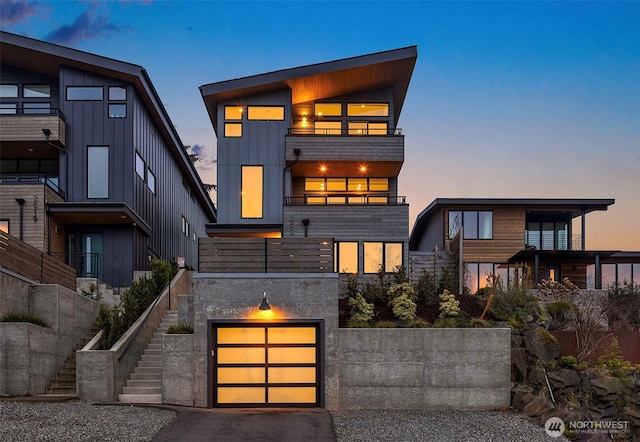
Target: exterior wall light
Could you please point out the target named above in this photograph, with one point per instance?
(264, 305)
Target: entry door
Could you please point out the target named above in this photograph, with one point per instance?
(553, 272)
(92, 251)
(260, 365)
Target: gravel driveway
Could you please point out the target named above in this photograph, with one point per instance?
(83, 421)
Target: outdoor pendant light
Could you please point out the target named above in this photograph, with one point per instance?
(265, 304)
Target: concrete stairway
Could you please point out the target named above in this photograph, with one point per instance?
(145, 383)
(64, 383)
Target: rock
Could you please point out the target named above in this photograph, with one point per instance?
(633, 414)
(564, 378)
(606, 386)
(541, 344)
(538, 406)
(518, 364)
(599, 437)
(522, 395)
(536, 376)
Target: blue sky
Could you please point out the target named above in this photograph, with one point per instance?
(513, 99)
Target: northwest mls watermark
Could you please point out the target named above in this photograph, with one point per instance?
(555, 427)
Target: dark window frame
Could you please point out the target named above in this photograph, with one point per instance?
(26, 85)
(101, 88)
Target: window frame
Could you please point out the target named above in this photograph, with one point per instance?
(12, 106)
(114, 88)
(475, 214)
(248, 196)
(115, 115)
(36, 108)
(140, 166)
(231, 110)
(360, 105)
(8, 224)
(5, 86)
(151, 181)
(337, 267)
(321, 114)
(263, 107)
(228, 125)
(85, 88)
(26, 86)
(92, 173)
(383, 256)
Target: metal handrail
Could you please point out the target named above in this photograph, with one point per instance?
(353, 200)
(30, 179)
(33, 111)
(345, 132)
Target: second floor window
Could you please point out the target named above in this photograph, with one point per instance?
(36, 91)
(268, 113)
(251, 192)
(98, 172)
(478, 224)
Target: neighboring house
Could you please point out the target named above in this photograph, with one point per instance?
(315, 151)
(500, 235)
(92, 169)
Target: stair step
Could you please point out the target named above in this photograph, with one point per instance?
(145, 376)
(150, 364)
(142, 390)
(145, 383)
(65, 377)
(147, 370)
(61, 390)
(153, 352)
(140, 398)
(146, 357)
(155, 346)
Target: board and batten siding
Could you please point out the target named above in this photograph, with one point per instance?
(262, 144)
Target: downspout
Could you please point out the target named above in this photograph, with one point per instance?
(584, 224)
(461, 262)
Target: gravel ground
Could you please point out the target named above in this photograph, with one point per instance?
(83, 421)
(436, 426)
(79, 421)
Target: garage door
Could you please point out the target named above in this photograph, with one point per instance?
(266, 365)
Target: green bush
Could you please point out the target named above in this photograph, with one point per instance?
(361, 310)
(479, 323)
(403, 308)
(449, 305)
(426, 287)
(513, 301)
(385, 324)
(445, 323)
(613, 362)
(568, 361)
(418, 323)
(135, 300)
(180, 329)
(17, 316)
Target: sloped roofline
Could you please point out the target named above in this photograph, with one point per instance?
(46, 58)
(391, 68)
(575, 205)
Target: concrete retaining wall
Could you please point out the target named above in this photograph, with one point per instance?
(424, 368)
(30, 355)
(177, 369)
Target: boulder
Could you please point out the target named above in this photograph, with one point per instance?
(522, 395)
(538, 406)
(607, 386)
(541, 344)
(564, 378)
(518, 364)
(536, 376)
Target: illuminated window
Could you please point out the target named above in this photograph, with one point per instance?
(269, 113)
(357, 128)
(36, 91)
(117, 93)
(84, 93)
(98, 171)
(233, 112)
(372, 257)
(377, 129)
(251, 200)
(379, 184)
(316, 200)
(357, 184)
(327, 127)
(336, 200)
(368, 110)
(4, 225)
(328, 109)
(377, 200)
(346, 257)
(336, 184)
(232, 130)
(140, 167)
(382, 256)
(8, 91)
(314, 184)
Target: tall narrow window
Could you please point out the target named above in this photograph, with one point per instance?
(151, 181)
(98, 172)
(251, 192)
(346, 257)
(372, 257)
(392, 256)
(140, 166)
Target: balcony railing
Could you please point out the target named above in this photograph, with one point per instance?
(345, 131)
(51, 182)
(549, 243)
(32, 111)
(344, 200)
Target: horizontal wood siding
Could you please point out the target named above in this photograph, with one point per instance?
(432, 262)
(346, 148)
(508, 236)
(29, 128)
(349, 222)
(31, 263)
(265, 255)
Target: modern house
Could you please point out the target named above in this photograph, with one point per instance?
(315, 152)
(496, 236)
(92, 170)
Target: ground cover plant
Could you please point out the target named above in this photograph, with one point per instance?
(17, 316)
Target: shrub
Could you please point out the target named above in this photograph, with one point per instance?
(400, 289)
(17, 316)
(479, 323)
(568, 361)
(613, 362)
(426, 288)
(361, 310)
(449, 305)
(180, 329)
(513, 301)
(351, 288)
(403, 308)
(559, 311)
(418, 323)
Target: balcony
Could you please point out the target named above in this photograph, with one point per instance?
(26, 126)
(342, 200)
(383, 154)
